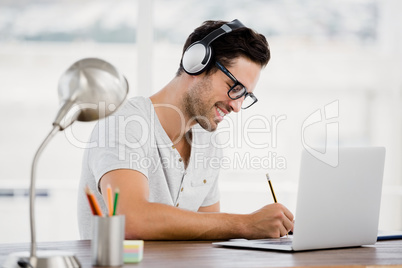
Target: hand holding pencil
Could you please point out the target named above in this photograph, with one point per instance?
(273, 193)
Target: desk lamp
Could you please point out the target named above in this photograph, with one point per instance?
(89, 90)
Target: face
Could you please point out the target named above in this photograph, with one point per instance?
(207, 101)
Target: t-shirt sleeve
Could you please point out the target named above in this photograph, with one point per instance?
(118, 143)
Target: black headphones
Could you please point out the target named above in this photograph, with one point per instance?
(198, 55)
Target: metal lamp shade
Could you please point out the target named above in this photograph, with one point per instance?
(89, 90)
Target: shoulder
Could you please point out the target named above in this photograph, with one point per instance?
(135, 116)
(136, 105)
(130, 125)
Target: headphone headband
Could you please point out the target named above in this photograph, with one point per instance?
(198, 55)
(224, 29)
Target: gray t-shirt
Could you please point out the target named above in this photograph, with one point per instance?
(133, 138)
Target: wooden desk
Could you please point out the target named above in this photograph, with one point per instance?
(203, 254)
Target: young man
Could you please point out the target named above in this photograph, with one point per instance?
(157, 150)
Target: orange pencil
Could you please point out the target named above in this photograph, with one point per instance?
(110, 200)
(89, 200)
(95, 204)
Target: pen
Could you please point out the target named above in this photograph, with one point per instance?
(272, 189)
(110, 200)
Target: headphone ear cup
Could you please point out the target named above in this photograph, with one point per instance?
(196, 58)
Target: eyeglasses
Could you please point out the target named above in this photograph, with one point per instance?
(238, 90)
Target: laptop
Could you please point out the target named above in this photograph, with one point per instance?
(336, 206)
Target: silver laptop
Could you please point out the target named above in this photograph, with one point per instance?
(336, 206)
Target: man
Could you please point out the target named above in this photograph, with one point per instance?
(156, 150)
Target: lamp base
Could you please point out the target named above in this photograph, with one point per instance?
(44, 259)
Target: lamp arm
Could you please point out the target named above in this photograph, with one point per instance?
(65, 108)
(32, 189)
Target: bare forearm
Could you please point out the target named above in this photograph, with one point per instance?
(154, 221)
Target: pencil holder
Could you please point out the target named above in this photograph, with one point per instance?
(107, 241)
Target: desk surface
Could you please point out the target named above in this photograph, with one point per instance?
(202, 254)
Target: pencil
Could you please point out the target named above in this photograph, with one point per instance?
(110, 200)
(116, 197)
(272, 189)
(94, 203)
(89, 200)
(273, 193)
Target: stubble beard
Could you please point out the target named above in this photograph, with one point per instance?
(198, 107)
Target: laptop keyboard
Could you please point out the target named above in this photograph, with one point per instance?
(280, 241)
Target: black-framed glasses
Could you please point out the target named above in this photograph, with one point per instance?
(238, 90)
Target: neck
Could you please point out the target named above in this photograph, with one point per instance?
(170, 109)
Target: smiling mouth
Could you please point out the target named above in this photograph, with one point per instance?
(221, 113)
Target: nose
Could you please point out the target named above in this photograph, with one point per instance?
(236, 104)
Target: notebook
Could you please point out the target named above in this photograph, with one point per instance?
(389, 235)
(336, 206)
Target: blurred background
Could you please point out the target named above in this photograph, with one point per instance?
(343, 54)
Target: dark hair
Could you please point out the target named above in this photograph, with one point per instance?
(240, 42)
